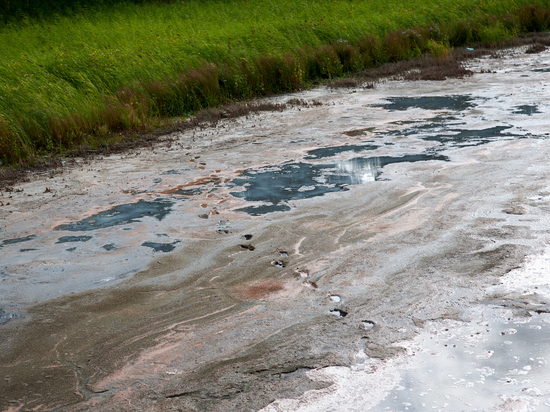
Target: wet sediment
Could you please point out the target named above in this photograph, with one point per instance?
(162, 307)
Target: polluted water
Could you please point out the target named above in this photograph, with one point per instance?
(274, 186)
(498, 360)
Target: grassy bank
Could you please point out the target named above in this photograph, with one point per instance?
(86, 77)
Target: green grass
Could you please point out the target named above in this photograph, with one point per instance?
(86, 77)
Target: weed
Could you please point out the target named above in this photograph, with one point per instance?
(144, 65)
(534, 18)
(343, 83)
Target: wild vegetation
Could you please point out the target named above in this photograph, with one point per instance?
(91, 76)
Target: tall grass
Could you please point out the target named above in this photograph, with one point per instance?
(84, 78)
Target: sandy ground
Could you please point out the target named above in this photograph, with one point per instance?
(129, 283)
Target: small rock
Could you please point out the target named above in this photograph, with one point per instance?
(339, 312)
(302, 272)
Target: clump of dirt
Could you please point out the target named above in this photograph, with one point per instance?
(428, 67)
(535, 48)
(423, 68)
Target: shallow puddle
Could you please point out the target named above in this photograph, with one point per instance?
(161, 247)
(464, 137)
(121, 215)
(17, 240)
(275, 185)
(69, 239)
(335, 150)
(195, 191)
(526, 109)
(471, 367)
(455, 102)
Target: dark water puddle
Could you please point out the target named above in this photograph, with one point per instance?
(259, 210)
(109, 247)
(439, 130)
(27, 250)
(121, 215)
(464, 138)
(526, 109)
(455, 102)
(69, 239)
(273, 186)
(71, 249)
(546, 70)
(161, 247)
(332, 151)
(17, 240)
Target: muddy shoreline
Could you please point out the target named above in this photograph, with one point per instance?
(212, 325)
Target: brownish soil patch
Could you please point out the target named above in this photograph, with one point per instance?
(260, 290)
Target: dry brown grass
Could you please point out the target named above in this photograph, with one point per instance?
(535, 48)
(128, 111)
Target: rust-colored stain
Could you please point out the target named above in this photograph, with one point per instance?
(260, 290)
(203, 205)
(197, 182)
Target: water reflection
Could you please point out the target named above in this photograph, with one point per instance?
(471, 367)
(273, 186)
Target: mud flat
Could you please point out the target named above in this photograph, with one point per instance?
(263, 262)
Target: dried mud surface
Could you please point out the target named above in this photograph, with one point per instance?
(104, 321)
